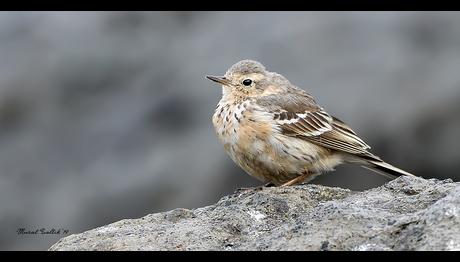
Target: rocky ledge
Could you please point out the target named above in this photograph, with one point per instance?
(404, 214)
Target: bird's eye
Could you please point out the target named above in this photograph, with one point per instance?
(247, 82)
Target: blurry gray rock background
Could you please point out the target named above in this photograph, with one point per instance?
(106, 115)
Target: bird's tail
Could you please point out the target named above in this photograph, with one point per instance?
(385, 169)
(374, 163)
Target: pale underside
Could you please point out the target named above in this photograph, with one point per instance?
(256, 141)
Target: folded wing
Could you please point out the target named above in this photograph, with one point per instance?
(300, 116)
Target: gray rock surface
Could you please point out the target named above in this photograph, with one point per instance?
(404, 214)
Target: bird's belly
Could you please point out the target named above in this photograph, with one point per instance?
(257, 146)
(284, 158)
(273, 157)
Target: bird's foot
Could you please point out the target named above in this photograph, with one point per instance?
(258, 188)
(298, 180)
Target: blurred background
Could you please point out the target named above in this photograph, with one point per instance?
(106, 115)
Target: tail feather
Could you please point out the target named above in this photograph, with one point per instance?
(385, 169)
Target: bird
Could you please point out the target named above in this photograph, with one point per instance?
(277, 132)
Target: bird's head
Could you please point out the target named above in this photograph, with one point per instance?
(249, 78)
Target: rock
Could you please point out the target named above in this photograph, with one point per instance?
(404, 214)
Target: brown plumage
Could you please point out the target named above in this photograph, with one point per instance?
(277, 132)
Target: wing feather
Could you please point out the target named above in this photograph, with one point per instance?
(300, 116)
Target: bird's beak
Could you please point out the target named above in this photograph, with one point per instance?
(219, 79)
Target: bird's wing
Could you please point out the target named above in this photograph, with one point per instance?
(298, 115)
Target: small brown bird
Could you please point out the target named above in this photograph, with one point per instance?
(277, 133)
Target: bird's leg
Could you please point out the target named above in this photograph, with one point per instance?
(297, 180)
